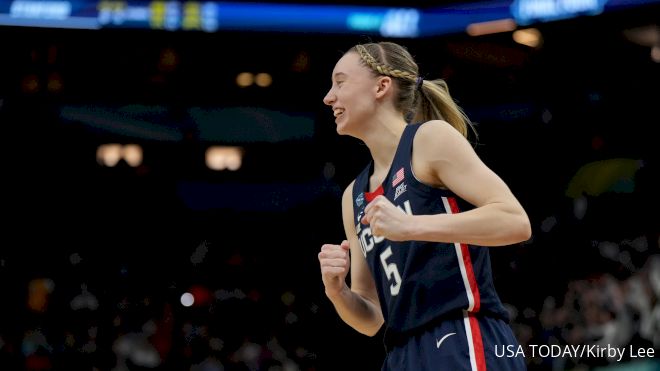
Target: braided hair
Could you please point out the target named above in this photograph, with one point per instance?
(416, 98)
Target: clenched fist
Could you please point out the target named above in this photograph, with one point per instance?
(387, 220)
(335, 262)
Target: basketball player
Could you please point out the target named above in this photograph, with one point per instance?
(418, 220)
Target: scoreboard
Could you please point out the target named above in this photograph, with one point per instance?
(212, 16)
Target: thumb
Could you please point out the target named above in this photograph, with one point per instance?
(345, 245)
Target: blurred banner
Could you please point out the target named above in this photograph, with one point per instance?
(212, 16)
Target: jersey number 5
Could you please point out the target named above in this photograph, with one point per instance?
(391, 271)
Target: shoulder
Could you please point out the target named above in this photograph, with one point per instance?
(437, 136)
(348, 191)
(438, 148)
(347, 208)
(347, 197)
(435, 129)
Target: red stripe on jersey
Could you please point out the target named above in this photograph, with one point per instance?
(467, 261)
(477, 342)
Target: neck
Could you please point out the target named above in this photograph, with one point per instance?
(383, 139)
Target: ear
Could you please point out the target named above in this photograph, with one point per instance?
(384, 85)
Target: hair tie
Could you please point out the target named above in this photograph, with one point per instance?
(418, 83)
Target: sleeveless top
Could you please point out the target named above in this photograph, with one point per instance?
(420, 282)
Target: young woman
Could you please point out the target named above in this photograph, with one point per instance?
(417, 221)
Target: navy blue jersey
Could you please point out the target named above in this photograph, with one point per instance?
(420, 282)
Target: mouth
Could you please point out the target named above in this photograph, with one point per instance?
(338, 112)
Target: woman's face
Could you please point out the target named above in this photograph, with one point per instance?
(352, 93)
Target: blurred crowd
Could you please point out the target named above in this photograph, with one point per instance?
(599, 310)
(257, 324)
(225, 329)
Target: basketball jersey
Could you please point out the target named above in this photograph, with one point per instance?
(419, 282)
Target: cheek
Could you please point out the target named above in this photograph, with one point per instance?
(362, 104)
(358, 97)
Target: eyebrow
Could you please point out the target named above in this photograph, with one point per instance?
(339, 74)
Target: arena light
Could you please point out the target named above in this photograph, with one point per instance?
(109, 154)
(490, 27)
(646, 36)
(132, 154)
(400, 22)
(244, 79)
(224, 158)
(187, 299)
(263, 79)
(529, 36)
(530, 11)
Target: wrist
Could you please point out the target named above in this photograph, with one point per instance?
(412, 229)
(334, 295)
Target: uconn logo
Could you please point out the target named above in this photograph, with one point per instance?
(367, 243)
(367, 240)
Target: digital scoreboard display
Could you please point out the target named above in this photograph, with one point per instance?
(212, 16)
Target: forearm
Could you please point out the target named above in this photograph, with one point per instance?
(490, 225)
(358, 312)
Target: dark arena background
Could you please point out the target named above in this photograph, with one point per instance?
(169, 174)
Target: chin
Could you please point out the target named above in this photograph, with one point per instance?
(349, 128)
(341, 127)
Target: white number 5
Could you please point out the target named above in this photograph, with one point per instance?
(391, 271)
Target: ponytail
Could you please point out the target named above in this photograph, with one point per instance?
(433, 102)
(416, 98)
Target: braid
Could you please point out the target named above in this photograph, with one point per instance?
(416, 99)
(381, 68)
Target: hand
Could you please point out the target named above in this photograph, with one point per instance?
(335, 262)
(386, 220)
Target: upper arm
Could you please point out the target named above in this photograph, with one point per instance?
(362, 281)
(443, 156)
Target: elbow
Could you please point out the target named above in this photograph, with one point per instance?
(371, 331)
(524, 230)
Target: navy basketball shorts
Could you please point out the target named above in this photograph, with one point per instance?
(473, 343)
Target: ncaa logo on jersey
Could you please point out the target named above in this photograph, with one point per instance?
(360, 199)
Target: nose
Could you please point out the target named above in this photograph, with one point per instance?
(329, 98)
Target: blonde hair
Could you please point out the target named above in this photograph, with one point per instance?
(421, 99)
